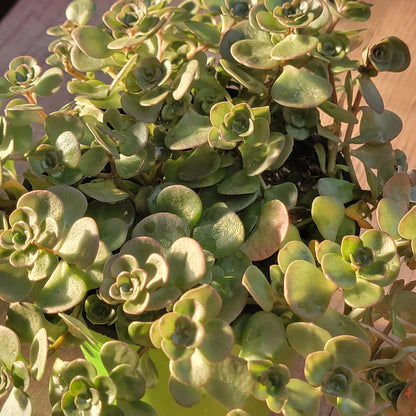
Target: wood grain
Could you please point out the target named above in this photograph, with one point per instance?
(22, 32)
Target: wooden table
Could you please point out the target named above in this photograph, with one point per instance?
(22, 32)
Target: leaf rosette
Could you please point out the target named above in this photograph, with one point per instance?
(362, 266)
(270, 382)
(129, 18)
(192, 336)
(391, 54)
(136, 277)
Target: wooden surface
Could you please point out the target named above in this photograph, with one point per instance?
(22, 32)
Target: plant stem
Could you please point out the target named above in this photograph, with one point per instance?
(347, 138)
(31, 100)
(58, 342)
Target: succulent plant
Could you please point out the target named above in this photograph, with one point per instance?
(192, 223)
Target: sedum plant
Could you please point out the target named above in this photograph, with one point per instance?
(191, 221)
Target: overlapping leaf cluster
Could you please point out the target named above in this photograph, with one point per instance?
(153, 229)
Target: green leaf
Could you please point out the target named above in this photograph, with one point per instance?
(93, 161)
(80, 244)
(302, 398)
(131, 105)
(182, 201)
(294, 46)
(300, 89)
(370, 94)
(186, 262)
(64, 289)
(183, 394)
(263, 336)
(194, 371)
(10, 350)
(349, 350)
(238, 184)
(184, 79)
(74, 202)
(359, 402)
(259, 288)
(219, 230)
(38, 354)
(78, 328)
(306, 290)
(243, 76)
(163, 227)
(18, 403)
(44, 203)
(206, 31)
(258, 158)
(342, 190)
(327, 213)
(338, 270)
(407, 225)
(378, 128)
(254, 53)
(306, 337)
(80, 11)
(93, 41)
(49, 82)
(363, 294)
(14, 283)
(129, 382)
(338, 113)
(191, 131)
(103, 190)
(68, 149)
(114, 353)
(317, 364)
(218, 341)
(230, 382)
(271, 229)
(294, 250)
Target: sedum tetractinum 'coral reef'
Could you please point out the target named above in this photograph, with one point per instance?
(192, 222)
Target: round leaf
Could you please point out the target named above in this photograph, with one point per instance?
(182, 201)
(327, 213)
(349, 350)
(259, 288)
(306, 290)
(359, 402)
(338, 270)
(306, 337)
(294, 250)
(363, 294)
(254, 54)
(300, 89)
(93, 41)
(114, 353)
(103, 190)
(163, 227)
(39, 354)
(218, 341)
(10, 350)
(80, 244)
(186, 261)
(219, 230)
(294, 46)
(191, 131)
(263, 336)
(64, 289)
(271, 229)
(407, 225)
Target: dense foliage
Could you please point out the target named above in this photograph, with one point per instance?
(149, 225)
